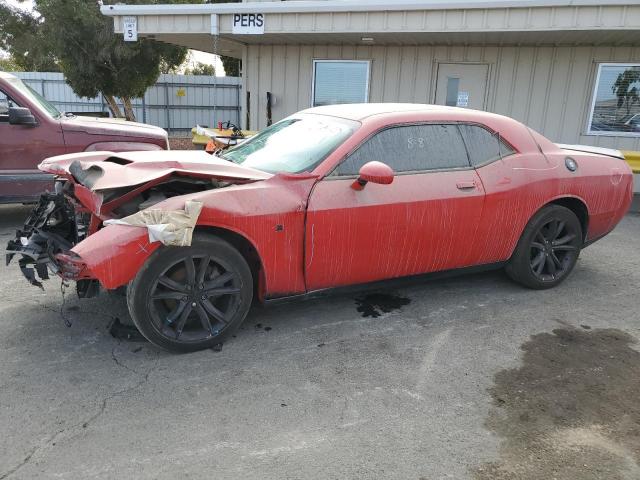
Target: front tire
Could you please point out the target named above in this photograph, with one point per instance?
(186, 299)
(548, 249)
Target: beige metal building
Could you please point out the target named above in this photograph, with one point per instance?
(570, 69)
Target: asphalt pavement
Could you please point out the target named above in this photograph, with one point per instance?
(471, 377)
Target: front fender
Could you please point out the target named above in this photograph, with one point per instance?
(114, 254)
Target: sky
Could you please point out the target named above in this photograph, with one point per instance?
(194, 55)
(26, 5)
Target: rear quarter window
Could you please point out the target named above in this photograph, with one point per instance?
(484, 147)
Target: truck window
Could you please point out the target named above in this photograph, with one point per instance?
(5, 103)
(34, 97)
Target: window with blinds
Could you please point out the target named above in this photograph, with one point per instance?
(340, 81)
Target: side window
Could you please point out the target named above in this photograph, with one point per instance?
(5, 103)
(4, 107)
(484, 147)
(411, 148)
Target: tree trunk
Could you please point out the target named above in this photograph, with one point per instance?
(113, 106)
(128, 109)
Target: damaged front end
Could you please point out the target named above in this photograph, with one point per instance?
(73, 232)
(45, 241)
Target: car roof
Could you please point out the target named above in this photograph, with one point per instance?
(6, 75)
(360, 111)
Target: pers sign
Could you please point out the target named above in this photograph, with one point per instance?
(248, 23)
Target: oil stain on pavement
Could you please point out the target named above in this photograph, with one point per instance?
(375, 304)
(571, 411)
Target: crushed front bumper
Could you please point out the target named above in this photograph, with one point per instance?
(45, 241)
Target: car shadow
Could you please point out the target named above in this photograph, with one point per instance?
(68, 319)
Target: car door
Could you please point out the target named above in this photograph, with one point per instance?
(422, 222)
(22, 148)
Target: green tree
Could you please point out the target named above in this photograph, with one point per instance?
(94, 60)
(625, 88)
(8, 64)
(231, 66)
(201, 69)
(22, 36)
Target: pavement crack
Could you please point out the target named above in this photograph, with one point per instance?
(143, 380)
(25, 461)
(120, 363)
(32, 453)
(85, 423)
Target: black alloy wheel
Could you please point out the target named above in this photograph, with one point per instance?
(548, 249)
(190, 298)
(195, 297)
(553, 250)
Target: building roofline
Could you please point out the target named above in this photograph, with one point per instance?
(330, 6)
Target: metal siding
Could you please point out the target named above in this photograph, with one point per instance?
(207, 100)
(460, 20)
(278, 75)
(290, 86)
(548, 88)
(570, 20)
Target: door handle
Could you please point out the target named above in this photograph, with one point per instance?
(466, 185)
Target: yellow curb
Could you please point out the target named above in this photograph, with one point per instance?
(633, 159)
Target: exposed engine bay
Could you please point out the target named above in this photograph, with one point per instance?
(58, 223)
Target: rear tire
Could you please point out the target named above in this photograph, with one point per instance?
(186, 299)
(548, 249)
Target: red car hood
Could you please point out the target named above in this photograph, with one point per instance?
(111, 126)
(107, 170)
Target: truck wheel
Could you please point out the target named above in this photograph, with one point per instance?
(548, 249)
(191, 298)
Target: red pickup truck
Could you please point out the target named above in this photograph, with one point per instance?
(32, 129)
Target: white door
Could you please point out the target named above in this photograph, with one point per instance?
(462, 85)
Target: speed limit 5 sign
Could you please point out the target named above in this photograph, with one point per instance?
(130, 29)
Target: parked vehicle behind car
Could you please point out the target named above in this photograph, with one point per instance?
(32, 129)
(329, 197)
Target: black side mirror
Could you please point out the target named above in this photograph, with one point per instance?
(21, 116)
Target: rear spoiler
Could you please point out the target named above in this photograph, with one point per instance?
(609, 152)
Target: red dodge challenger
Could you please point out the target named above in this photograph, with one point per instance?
(329, 197)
